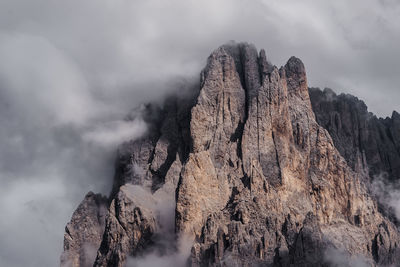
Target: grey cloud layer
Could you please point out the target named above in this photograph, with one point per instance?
(71, 70)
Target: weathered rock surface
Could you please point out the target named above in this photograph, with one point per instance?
(256, 180)
(129, 226)
(153, 164)
(250, 206)
(364, 140)
(84, 232)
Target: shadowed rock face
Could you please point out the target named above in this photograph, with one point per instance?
(254, 179)
(362, 139)
(83, 233)
(129, 226)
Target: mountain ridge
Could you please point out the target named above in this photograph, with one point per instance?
(256, 179)
(343, 115)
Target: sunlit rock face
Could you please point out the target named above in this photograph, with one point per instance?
(240, 169)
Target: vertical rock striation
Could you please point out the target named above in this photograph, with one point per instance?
(276, 200)
(364, 140)
(129, 226)
(253, 177)
(83, 233)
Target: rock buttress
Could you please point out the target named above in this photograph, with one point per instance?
(83, 233)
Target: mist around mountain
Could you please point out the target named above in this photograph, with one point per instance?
(248, 167)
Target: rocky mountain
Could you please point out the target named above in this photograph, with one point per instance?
(364, 140)
(83, 234)
(240, 171)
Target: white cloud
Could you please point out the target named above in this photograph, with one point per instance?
(387, 193)
(41, 81)
(31, 221)
(339, 258)
(111, 134)
(177, 258)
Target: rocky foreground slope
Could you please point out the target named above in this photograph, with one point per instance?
(241, 172)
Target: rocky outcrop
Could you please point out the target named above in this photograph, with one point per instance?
(253, 178)
(147, 174)
(365, 141)
(84, 232)
(129, 227)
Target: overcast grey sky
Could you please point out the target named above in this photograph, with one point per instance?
(70, 70)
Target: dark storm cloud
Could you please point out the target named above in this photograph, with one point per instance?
(71, 70)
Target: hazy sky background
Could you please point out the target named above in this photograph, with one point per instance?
(71, 70)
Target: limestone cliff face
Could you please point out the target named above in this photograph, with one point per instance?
(254, 179)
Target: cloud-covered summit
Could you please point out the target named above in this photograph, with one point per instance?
(71, 70)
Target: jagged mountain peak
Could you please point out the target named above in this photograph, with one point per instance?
(251, 175)
(358, 134)
(395, 115)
